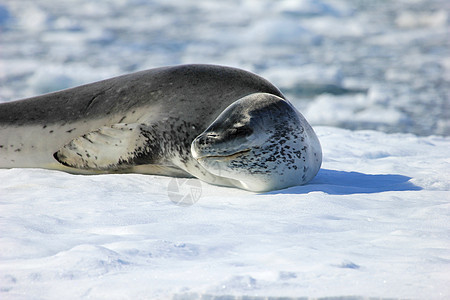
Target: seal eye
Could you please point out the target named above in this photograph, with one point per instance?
(241, 131)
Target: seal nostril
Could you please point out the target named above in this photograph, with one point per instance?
(204, 139)
(212, 135)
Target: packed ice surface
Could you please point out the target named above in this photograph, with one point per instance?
(373, 223)
(356, 64)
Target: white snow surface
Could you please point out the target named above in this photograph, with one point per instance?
(373, 223)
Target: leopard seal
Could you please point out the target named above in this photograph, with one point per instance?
(223, 125)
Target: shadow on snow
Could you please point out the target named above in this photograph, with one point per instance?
(335, 182)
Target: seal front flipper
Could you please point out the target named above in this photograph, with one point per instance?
(115, 147)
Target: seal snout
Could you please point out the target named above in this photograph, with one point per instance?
(212, 144)
(203, 144)
(207, 138)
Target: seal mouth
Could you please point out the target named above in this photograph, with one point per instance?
(225, 156)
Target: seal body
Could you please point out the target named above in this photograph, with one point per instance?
(161, 121)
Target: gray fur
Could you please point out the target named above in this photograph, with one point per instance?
(142, 122)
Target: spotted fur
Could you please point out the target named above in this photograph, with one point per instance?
(280, 151)
(163, 121)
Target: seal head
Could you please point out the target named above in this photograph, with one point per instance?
(261, 142)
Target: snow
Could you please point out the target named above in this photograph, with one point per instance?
(373, 223)
(372, 77)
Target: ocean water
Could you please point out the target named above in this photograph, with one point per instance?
(355, 64)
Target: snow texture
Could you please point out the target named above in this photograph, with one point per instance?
(373, 223)
(372, 77)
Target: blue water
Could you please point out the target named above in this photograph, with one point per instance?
(383, 65)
